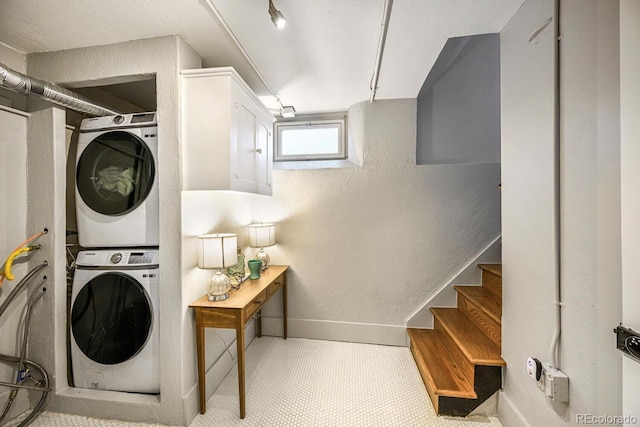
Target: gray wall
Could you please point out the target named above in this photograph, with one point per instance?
(459, 104)
(589, 202)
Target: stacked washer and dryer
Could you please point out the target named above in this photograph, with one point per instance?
(114, 299)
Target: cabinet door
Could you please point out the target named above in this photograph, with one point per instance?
(264, 159)
(245, 176)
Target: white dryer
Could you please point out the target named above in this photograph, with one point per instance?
(117, 181)
(114, 321)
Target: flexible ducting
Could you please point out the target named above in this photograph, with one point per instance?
(20, 83)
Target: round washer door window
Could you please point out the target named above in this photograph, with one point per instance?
(115, 173)
(111, 318)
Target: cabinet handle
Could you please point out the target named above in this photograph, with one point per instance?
(258, 301)
(259, 150)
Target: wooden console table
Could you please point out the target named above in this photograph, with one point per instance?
(234, 313)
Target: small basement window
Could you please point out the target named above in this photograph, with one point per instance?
(310, 140)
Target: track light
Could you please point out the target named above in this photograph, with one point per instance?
(277, 17)
(288, 112)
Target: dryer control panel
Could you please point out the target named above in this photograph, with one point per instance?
(117, 257)
(119, 121)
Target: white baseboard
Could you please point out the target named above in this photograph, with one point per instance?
(368, 333)
(446, 296)
(508, 414)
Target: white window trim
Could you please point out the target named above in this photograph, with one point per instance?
(342, 141)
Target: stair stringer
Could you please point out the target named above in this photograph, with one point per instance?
(446, 296)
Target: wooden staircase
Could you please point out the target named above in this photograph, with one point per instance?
(459, 359)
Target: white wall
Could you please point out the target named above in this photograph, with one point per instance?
(589, 203)
(17, 61)
(590, 192)
(369, 245)
(528, 252)
(163, 57)
(13, 230)
(630, 147)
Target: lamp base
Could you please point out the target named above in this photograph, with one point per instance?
(218, 287)
(265, 258)
(218, 297)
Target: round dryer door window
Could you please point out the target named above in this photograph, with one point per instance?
(115, 173)
(111, 318)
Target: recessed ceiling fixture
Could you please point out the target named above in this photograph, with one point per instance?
(288, 112)
(277, 17)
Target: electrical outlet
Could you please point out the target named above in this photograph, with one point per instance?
(556, 384)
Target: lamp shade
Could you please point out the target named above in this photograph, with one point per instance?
(218, 250)
(262, 235)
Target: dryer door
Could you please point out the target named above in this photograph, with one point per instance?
(115, 173)
(111, 318)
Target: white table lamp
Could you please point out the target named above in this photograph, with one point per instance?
(261, 236)
(218, 251)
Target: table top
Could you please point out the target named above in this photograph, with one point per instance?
(249, 289)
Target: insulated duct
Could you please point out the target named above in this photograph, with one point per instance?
(20, 83)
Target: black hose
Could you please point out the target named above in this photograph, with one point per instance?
(20, 285)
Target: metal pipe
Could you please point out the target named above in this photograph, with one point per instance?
(20, 285)
(383, 39)
(557, 292)
(21, 83)
(44, 388)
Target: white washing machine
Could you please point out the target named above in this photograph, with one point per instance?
(114, 321)
(117, 181)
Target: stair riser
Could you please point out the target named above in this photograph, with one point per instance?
(492, 282)
(484, 322)
(426, 379)
(488, 380)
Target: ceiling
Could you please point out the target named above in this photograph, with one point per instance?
(322, 61)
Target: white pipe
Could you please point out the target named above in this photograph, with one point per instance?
(557, 302)
(20, 83)
(381, 42)
(244, 52)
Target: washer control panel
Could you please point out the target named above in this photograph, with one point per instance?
(118, 257)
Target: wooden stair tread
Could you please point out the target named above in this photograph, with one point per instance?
(444, 373)
(476, 346)
(492, 268)
(486, 300)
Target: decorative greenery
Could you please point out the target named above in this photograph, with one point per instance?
(237, 272)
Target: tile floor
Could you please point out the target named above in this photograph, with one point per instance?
(300, 382)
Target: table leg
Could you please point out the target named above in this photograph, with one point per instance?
(201, 373)
(259, 324)
(240, 343)
(284, 305)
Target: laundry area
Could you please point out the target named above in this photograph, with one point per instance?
(97, 175)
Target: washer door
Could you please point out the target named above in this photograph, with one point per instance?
(111, 318)
(115, 173)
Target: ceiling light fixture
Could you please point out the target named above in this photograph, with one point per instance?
(277, 17)
(288, 112)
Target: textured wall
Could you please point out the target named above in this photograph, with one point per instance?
(13, 220)
(630, 147)
(370, 244)
(589, 204)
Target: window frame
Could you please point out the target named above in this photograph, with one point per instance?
(339, 123)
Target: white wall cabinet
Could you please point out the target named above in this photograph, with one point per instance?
(227, 137)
